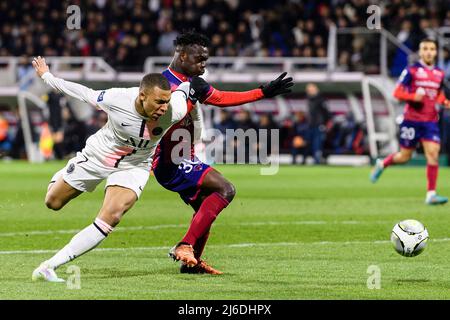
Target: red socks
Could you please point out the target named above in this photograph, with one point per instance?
(203, 219)
(200, 245)
(388, 160)
(432, 173)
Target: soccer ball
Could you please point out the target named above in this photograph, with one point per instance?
(409, 237)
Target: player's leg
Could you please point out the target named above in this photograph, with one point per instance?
(122, 190)
(400, 157)
(59, 193)
(71, 181)
(214, 182)
(214, 194)
(431, 149)
(117, 201)
(410, 134)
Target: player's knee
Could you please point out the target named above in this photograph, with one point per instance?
(404, 157)
(53, 202)
(228, 191)
(433, 158)
(116, 212)
(115, 218)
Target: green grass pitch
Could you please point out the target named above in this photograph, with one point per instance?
(304, 233)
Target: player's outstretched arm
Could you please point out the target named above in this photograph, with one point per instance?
(69, 88)
(280, 85)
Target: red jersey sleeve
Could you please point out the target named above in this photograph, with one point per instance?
(232, 98)
(441, 98)
(402, 93)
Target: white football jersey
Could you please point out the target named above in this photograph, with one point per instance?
(128, 139)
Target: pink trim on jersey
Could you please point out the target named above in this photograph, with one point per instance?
(111, 159)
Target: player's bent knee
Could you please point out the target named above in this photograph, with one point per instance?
(53, 202)
(404, 158)
(228, 191)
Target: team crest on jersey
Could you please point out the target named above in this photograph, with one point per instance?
(157, 131)
(100, 96)
(197, 167)
(421, 73)
(70, 168)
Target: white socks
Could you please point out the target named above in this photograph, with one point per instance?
(84, 241)
(430, 194)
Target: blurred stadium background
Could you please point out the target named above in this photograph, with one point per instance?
(325, 42)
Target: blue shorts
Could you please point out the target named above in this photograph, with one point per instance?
(411, 132)
(185, 178)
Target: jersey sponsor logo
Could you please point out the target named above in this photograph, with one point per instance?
(125, 124)
(427, 83)
(100, 96)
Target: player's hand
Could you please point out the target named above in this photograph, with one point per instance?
(40, 66)
(277, 86)
(418, 97)
(199, 89)
(447, 103)
(419, 94)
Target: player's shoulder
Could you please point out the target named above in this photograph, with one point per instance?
(411, 68)
(112, 95)
(439, 70)
(184, 87)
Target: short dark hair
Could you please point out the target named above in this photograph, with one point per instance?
(429, 40)
(191, 37)
(154, 80)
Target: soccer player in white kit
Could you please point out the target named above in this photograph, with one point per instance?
(120, 152)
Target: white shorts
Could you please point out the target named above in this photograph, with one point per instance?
(84, 175)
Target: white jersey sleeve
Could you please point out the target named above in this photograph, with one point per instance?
(75, 90)
(178, 101)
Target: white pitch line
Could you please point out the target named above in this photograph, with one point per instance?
(234, 245)
(168, 226)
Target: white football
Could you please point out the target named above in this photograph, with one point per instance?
(409, 237)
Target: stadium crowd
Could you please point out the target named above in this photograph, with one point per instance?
(126, 32)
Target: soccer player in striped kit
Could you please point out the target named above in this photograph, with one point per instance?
(420, 86)
(120, 153)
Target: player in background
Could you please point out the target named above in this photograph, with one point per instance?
(420, 86)
(198, 184)
(120, 152)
